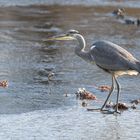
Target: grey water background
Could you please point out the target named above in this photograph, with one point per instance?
(32, 108)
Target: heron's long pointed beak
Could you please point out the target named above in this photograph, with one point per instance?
(60, 37)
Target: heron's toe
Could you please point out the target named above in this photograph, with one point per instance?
(116, 112)
(93, 109)
(106, 111)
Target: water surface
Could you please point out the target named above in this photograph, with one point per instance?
(33, 107)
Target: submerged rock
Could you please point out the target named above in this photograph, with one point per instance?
(133, 106)
(50, 75)
(132, 22)
(45, 25)
(84, 104)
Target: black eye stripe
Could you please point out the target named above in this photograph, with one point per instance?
(73, 32)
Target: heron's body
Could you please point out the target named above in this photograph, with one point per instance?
(107, 56)
(113, 58)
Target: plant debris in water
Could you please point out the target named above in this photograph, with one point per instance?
(121, 106)
(104, 88)
(135, 101)
(4, 83)
(119, 13)
(82, 94)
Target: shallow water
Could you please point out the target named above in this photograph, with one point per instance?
(124, 3)
(33, 107)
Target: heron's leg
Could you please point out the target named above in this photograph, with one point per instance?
(111, 90)
(118, 94)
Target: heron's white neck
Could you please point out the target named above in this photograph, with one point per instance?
(82, 44)
(80, 49)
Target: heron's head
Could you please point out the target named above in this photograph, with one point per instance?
(69, 35)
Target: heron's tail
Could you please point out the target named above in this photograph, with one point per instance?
(138, 66)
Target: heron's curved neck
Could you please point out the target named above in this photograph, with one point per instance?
(80, 49)
(81, 43)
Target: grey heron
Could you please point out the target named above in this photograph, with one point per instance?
(106, 55)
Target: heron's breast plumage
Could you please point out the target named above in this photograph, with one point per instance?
(127, 72)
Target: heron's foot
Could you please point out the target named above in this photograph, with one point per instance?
(104, 111)
(97, 109)
(116, 112)
(94, 109)
(110, 112)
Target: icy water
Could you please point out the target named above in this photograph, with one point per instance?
(34, 108)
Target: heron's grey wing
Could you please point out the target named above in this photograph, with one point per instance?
(110, 56)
